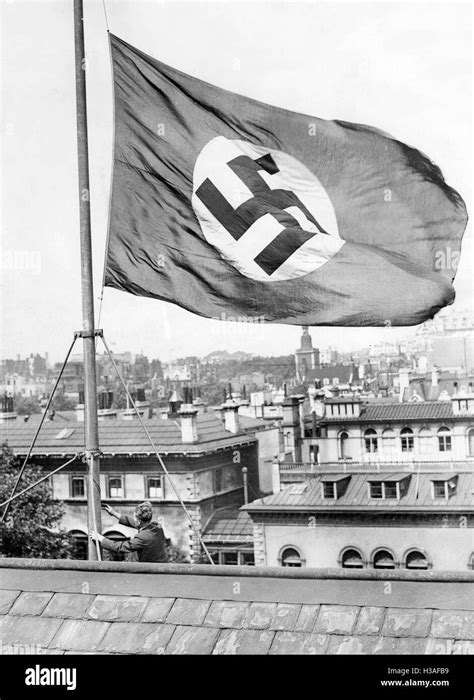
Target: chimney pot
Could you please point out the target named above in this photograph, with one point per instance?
(188, 416)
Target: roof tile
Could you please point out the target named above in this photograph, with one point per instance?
(407, 623)
(79, 635)
(244, 642)
(336, 619)
(7, 598)
(188, 612)
(192, 640)
(136, 638)
(224, 613)
(68, 605)
(117, 608)
(31, 603)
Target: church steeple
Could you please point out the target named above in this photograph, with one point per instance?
(306, 357)
(306, 341)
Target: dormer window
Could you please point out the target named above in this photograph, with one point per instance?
(443, 488)
(384, 489)
(334, 487)
(329, 489)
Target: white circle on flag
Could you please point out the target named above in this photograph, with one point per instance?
(264, 211)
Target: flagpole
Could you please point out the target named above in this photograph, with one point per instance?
(88, 330)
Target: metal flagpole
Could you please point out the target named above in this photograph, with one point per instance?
(88, 330)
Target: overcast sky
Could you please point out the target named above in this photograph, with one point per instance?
(402, 67)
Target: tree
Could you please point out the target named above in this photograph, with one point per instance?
(26, 405)
(31, 526)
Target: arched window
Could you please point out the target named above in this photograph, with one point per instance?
(406, 436)
(424, 441)
(80, 544)
(383, 559)
(115, 536)
(470, 442)
(351, 558)
(415, 559)
(444, 439)
(342, 442)
(389, 445)
(371, 441)
(290, 556)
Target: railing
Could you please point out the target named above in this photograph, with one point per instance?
(309, 468)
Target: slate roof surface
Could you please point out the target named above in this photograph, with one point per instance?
(417, 496)
(58, 620)
(119, 436)
(229, 525)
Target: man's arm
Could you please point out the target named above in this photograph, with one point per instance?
(126, 546)
(128, 521)
(123, 519)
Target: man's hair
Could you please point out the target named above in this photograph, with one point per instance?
(143, 512)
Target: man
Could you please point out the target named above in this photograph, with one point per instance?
(149, 543)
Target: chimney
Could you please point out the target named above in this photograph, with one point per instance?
(188, 416)
(291, 426)
(175, 402)
(231, 416)
(105, 401)
(434, 376)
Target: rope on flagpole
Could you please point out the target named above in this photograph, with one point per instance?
(105, 15)
(43, 417)
(43, 478)
(158, 456)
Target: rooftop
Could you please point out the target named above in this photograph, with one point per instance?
(416, 493)
(62, 606)
(383, 412)
(119, 436)
(229, 525)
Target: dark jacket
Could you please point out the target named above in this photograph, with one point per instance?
(149, 543)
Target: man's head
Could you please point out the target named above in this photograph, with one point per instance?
(143, 514)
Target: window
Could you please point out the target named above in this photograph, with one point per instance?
(390, 489)
(115, 487)
(407, 439)
(230, 558)
(384, 489)
(342, 441)
(424, 441)
(154, 487)
(383, 559)
(80, 544)
(444, 439)
(290, 556)
(329, 489)
(78, 486)
(351, 559)
(247, 558)
(376, 489)
(388, 442)
(370, 439)
(444, 488)
(416, 560)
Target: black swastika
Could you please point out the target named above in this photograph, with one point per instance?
(264, 201)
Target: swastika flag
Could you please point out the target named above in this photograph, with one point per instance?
(230, 207)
